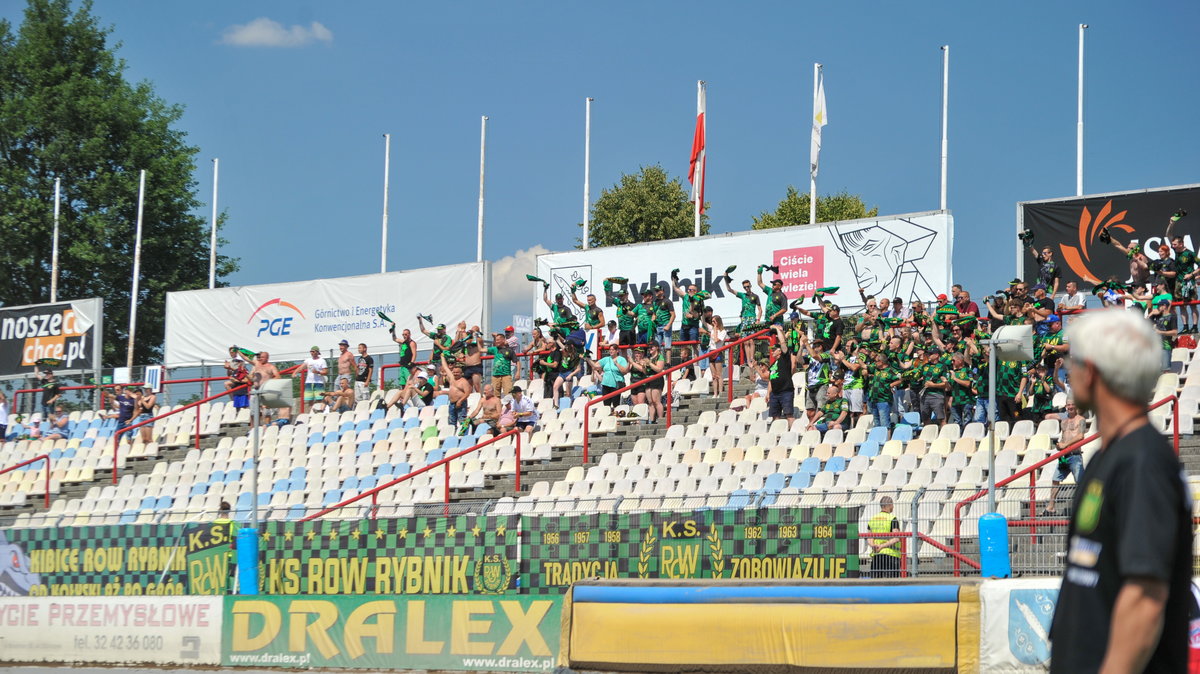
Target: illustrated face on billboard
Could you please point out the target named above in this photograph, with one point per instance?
(883, 256)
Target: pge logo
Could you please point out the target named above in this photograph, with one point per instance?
(275, 327)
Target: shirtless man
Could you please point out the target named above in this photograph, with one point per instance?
(487, 410)
(472, 362)
(1071, 428)
(264, 371)
(341, 400)
(459, 390)
(347, 368)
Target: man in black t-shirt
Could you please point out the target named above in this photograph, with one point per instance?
(365, 366)
(780, 404)
(1126, 591)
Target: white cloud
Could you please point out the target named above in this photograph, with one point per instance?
(511, 292)
(263, 32)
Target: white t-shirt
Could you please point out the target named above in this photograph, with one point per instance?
(1076, 300)
(3, 414)
(315, 369)
(718, 339)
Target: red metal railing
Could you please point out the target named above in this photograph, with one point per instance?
(443, 462)
(587, 417)
(193, 405)
(1032, 471)
(35, 459)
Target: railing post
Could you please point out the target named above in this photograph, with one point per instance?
(669, 392)
(198, 428)
(116, 444)
(447, 495)
(587, 417)
(957, 531)
(903, 557)
(47, 480)
(729, 366)
(518, 485)
(1175, 422)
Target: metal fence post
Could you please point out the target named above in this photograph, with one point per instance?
(914, 519)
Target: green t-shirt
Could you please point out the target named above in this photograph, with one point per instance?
(1009, 374)
(626, 316)
(645, 318)
(833, 409)
(686, 306)
(595, 317)
(775, 302)
(662, 313)
(501, 361)
(563, 318)
(879, 383)
(406, 353)
(1185, 263)
(749, 305)
(441, 344)
(963, 395)
(853, 379)
(933, 373)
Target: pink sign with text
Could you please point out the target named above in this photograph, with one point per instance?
(802, 269)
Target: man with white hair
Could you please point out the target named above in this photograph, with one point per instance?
(1126, 591)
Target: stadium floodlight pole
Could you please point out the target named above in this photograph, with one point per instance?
(54, 245)
(1079, 124)
(945, 113)
(587, 171)
(482, 167)
(812, 176)
(387, 162)
(212, 237)
(137, 269)
(991, 422)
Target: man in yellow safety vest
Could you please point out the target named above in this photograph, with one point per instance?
(885, 552)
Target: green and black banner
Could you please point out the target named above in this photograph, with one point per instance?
(462, 555)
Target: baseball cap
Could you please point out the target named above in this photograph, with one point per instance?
(343, 342)
(515, 389)
(316, 348)
(942, 297)
(509, 329)
(1053, 318)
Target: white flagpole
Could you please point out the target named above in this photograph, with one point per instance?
(387, 161)
(137, 269)
(945, 116)
(482, 164)
(54, 244)
(812, 179)
(698, 187)
(212, 241)
(1079, 126)
(587, 171)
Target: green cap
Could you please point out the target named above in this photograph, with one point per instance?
(316, 348)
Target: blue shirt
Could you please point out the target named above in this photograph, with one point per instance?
(124, 407)
(613, 377)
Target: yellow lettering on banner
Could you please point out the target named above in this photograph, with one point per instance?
(318, 630)
(314, 576)
(459, 581)
(414, 632)
(103, 559)
(433, 575)
(462, 627)
(524, 628)
(382, 630)
(272, 621)
(383, 575)
(412, 575)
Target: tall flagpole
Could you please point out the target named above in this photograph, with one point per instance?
(212, 240)
(812, 177)
(1079, 125)
(54, 244)
(387, 162)
(137, 269)
(702, 159)
(587, 171)
(482, 165)
(945, 116)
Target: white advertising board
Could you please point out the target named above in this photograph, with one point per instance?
(160, 630)
(287, 319)
(904, 256)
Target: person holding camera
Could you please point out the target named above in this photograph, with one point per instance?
(1049, 272)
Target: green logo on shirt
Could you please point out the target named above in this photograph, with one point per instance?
(1089, 508)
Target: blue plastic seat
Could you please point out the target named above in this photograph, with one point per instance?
(401, 469)
(264, 500)
(410, 424)
(314, 438)
(435, 455)
(164, 502)
(450, 443)
(836, 464)
(248, 464)
(298, 473)
(295, 512)
(383, 469)
(379, 436)
(774, 482)
(765, 497)
(198, 489)
(350, 483)
(564, 403)
(869, 448)
(243, 500)
(877, 434)
(55, 454)
(69, 453)
(147, 503)
(368, 482)
(810, 465)
(296, 485)
(88, 443)
(330, 438)
(361, 426)
(364, 447)
(376, 415)
(217, 476)
(346, 427)
(395, 424)
(902, 432)
(280, 485)
(467, 440)
(911, 418)
(332, 496)
(738, 500)
(128, 517)
(800, 480)
(233, 476)
(441, 400)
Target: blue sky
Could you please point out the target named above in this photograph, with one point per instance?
(296, 113)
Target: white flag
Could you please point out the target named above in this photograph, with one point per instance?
(820, 119)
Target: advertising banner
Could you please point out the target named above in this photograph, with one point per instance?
(433, 633)
(754, 543)
(287, 319)
(160, 630)
(209, 557)
(1014, 629)
(904, 256)
(65, 334)
(1071, 227)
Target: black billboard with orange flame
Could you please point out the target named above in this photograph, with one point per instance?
(1071, 227)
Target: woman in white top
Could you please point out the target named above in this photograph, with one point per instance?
(717, 338)
(3, 416)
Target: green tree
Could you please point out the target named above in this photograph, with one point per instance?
(67, 112)
(793, 210)
(646, 206)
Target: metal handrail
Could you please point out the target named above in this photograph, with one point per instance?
(665, 373)
(192, 405)
(1031, 471)
(444, 461)
(34, 460)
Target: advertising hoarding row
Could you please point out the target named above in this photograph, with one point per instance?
(70, 332)
(1071, 227)
(905, 256)
(287, 319)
